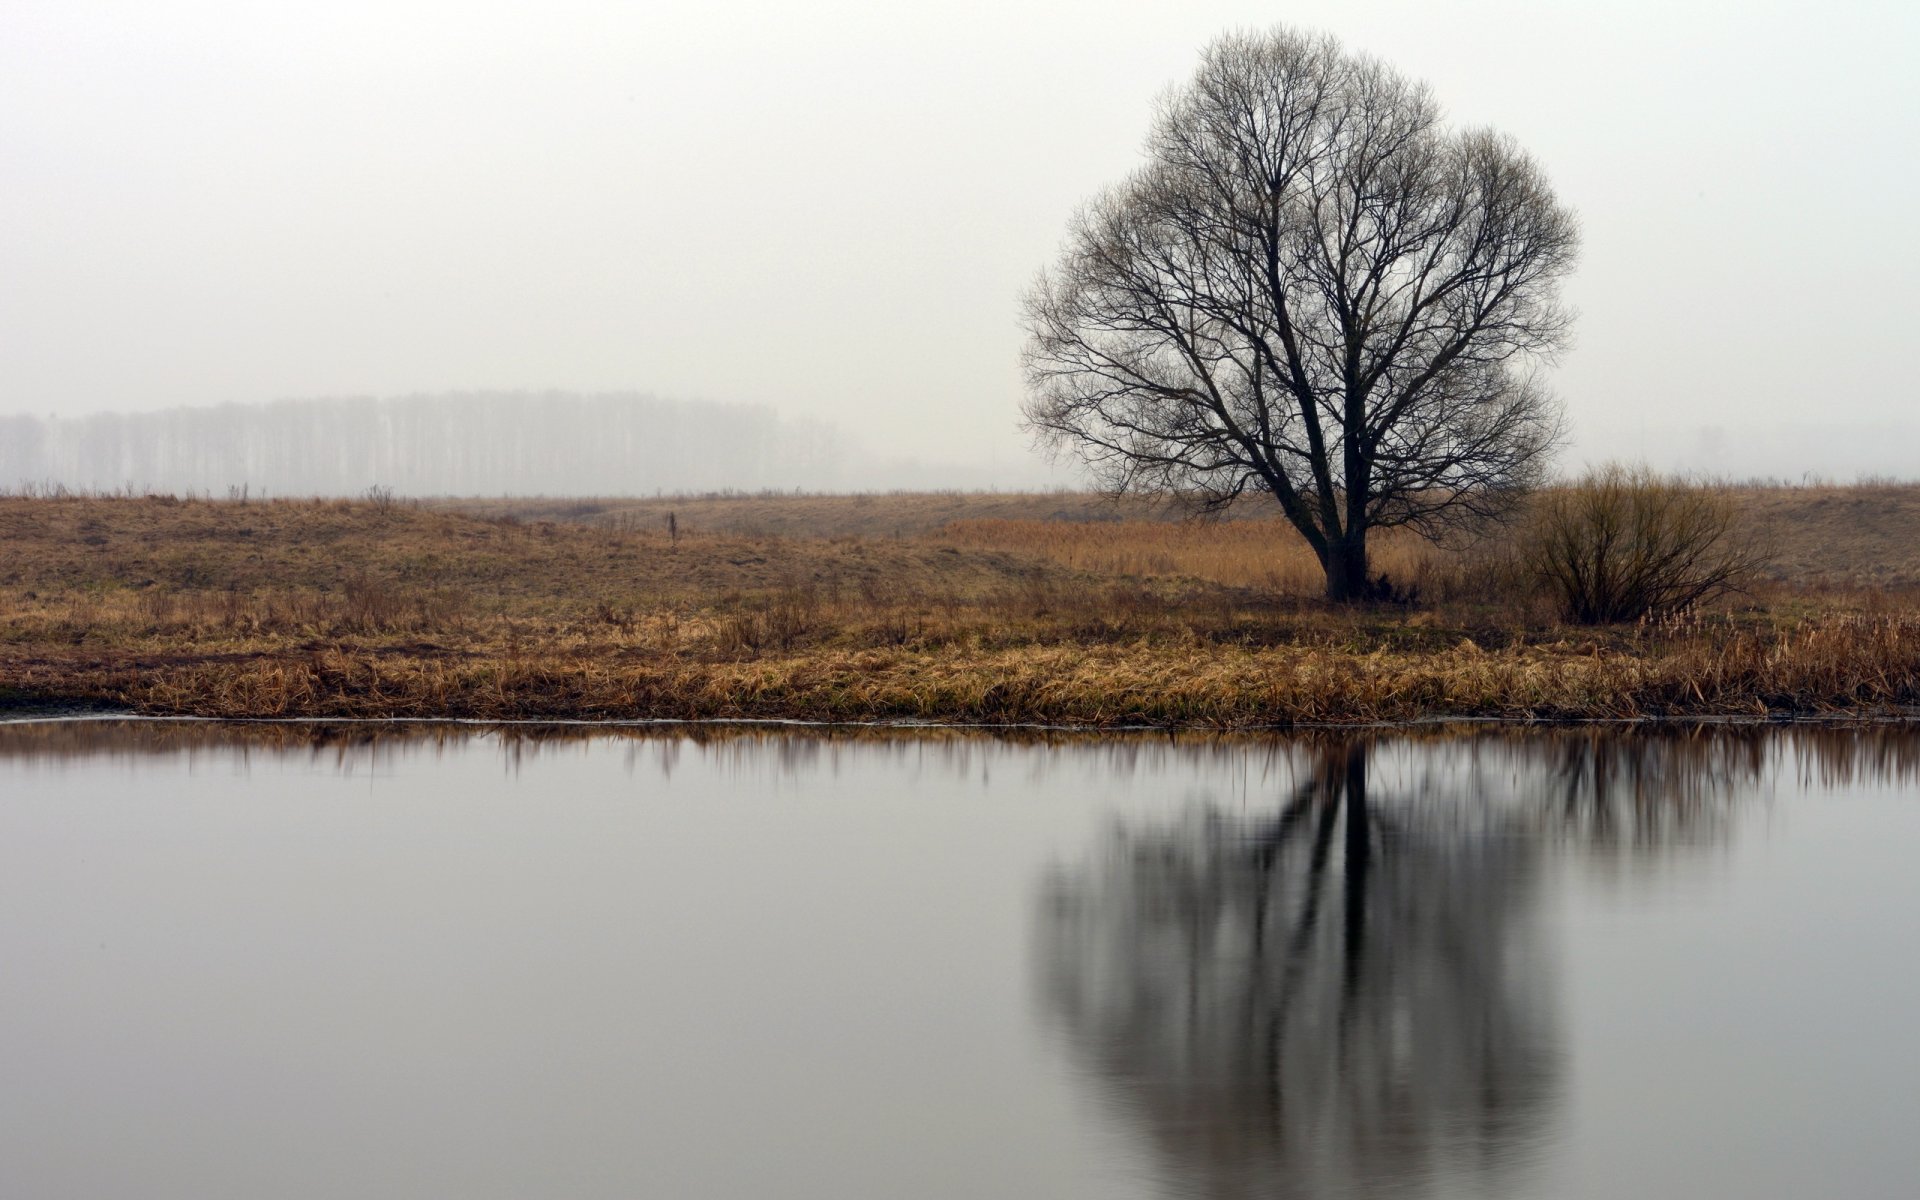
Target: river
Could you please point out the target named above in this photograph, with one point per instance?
(379, 961)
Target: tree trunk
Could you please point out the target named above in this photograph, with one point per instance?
(1359, 858)
(1346, 565)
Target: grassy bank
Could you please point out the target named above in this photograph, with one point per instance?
(1027, 609)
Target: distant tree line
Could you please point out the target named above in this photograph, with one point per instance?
(466, 443)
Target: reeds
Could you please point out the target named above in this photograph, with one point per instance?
(1848, 665)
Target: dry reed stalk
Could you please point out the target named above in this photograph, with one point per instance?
(1847, 665)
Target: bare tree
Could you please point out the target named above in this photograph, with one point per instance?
(1312, 288)
(1346, 992)
(1343, 997)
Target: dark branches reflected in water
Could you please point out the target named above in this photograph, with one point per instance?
(1346, 993)
(712, 960)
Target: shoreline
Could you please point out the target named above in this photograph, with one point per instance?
(1442, 724)
(1821, 674)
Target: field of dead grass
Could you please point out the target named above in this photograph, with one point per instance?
(873, 515)
(366, 608)
(1821, 536)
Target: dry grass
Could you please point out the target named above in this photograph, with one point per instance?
(1263, 554)
(888, 515)
(1846, 666)
(388, 609)
(1824, 536)
(1839, 537)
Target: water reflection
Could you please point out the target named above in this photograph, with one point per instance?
(1347, 993)
(1621, 783)
(780, 751)
(1312, 965)
(1334, 997)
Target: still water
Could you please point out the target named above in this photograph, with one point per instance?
(245, 961)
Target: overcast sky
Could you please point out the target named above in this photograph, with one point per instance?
(832, 207)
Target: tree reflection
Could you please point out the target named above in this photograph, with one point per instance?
(1347, 995)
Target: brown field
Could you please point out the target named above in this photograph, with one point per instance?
(879, 515)
(1821, 536)
(1054, 608)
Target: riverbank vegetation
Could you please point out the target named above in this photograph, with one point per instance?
(1055, 608)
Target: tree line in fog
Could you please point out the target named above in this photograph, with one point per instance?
(471, 443)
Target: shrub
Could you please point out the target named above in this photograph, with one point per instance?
(1622, 542)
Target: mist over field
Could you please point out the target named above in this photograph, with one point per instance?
(549, 443)
(560, 443)
(832, 209)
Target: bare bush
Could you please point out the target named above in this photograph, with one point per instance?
(779, 620)
(1623, 542)
(370, 604)
(157, 605)
(606, 612)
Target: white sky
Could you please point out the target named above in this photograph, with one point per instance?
(833, 206)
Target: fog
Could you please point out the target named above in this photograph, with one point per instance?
(830, 209)
(457, 444)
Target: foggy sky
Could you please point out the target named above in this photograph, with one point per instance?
(832, 207)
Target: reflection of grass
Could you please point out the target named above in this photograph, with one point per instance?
(1610, 781)
(356, 609)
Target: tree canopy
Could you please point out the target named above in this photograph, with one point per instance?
(1314, 288)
